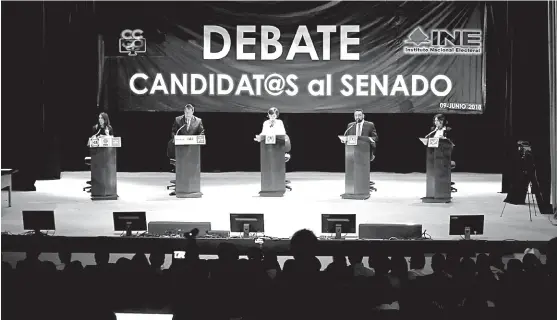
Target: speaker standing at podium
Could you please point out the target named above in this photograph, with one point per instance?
(186, 124)
(439, 129)
(362, 128)
(103, 127)
(273, 126)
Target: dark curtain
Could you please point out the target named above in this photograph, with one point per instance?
(526, 99)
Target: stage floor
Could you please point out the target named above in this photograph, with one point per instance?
(396, 201)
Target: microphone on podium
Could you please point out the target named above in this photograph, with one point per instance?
(352, 126)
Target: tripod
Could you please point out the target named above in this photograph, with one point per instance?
(531, 202)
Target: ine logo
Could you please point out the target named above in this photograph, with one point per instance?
(132, 42)
(443, 41)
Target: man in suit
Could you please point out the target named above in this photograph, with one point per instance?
(186, 124)
(363, 128)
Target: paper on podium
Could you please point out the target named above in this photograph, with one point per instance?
(424, 141)
(180, 140)
(349, 140)
(342, 139)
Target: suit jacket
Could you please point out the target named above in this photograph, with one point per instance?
(96, 132)
(368, 130)
(446, 133)
(196, 128)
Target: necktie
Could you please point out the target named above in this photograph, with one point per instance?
(359, 131)
(188, 124)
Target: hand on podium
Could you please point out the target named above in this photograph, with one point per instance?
(257, 138)
(342, 139)
(371, 139)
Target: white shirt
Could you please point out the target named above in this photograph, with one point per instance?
(276, 130)
(439, 133)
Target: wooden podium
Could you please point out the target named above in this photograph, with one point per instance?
(438, 170)
(103, 167)
(357, 165)
(188, 165)
(273, 167)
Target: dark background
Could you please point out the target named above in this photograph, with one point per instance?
(49, 103)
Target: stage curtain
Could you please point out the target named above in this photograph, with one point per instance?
(552, 41)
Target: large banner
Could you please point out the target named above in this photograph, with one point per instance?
(304, 58)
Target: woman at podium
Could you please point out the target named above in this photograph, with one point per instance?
(440, 129)
(102, 128)
(272, 126)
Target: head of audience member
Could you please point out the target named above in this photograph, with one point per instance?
(359, 115)
(140, 262)
(227, 252)
(48, 266)
(514, 267)
(255, 254)
(270, 261)
(496, 260)
(380, 263)
(452, 264)
(123, 264)
(399, 267)
(467, 267)
(439, 121)
(188, 111)
(303, 244)
(103, 120)
(156, 259)
(417, 261)
(340, 260)
(438, 263)
(482, 264)
(273, 113)
(74, 267)
(354, 260)
(102, 258)
(531, 263)
(65, 257)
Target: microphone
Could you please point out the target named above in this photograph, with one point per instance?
(352, 126)
(180, 129)
(192, 234)
(434, 130)
(97, 132)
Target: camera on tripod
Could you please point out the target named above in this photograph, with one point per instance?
(525, 181)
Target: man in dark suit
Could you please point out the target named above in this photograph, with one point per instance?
(363, 128)
(186, 124)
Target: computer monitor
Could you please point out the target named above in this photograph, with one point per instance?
(338, 224)
(130, 221)
(38, 220)
(246, 223)
(466, 225)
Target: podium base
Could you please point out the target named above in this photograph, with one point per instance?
(189, 194)
(351, 196)
(113, 197)
(436, 200)
(275, 194)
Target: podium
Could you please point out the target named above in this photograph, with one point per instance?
(273, 167)
(103, 167)
(438, 170)
(188, 165)
(356, 168)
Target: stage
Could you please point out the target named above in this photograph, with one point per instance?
(396, 201)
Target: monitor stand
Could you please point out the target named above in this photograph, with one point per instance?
(246, 230)
(128, 229)
(466, 233)
(338, 231)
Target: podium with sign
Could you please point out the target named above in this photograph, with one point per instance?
(356, 167)
(273, 167)
(103, 167)
(438, 170)
(188, 165)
